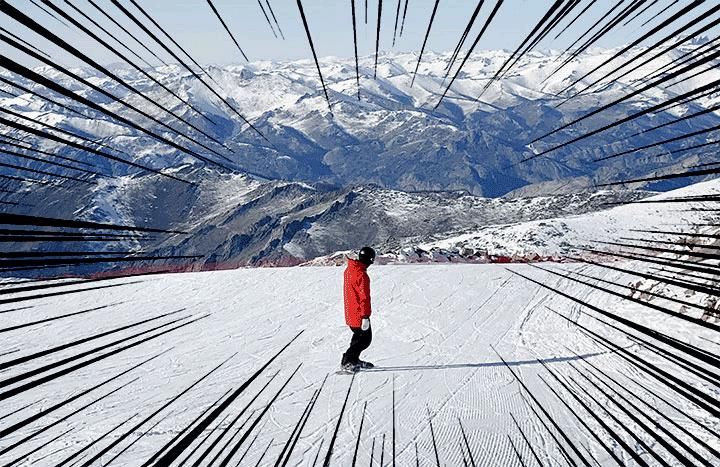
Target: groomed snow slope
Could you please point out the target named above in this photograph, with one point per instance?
(434, 326)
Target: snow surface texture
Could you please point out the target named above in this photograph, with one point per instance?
(393, 137)
(434, 330)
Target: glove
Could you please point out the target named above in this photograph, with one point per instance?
(365, 324)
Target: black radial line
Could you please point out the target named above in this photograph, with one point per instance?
(53, 318)
(587, 7)
(397, 17)
(173, 453)
(470, 51)
(49, 377)
(659, 13)
(527, 441)
(247, 450)
(544, 411)
(162, 30)
(142, 435)
(2, 417)
(20, 39)
(89, 445)
(302, 426)
(174, 55)
(49, 13)
(331, 446)
(382, 450)
(312, 47)
(121, 438)
(29, 23)
(366, 11)
(678, 120)
(232, 438)
(377, 37)
(203, 440)
(635, 455)
(634, 5)
(680, 411)
(690, 266)
(124, 29)
(56, 164)
(607, 448)
(32, 75)
(189, 426)
(43, 172)
(272, 13)
(674, 34)
(222, 21)
(146, 74)
(23, 423)
(267, 18)
(640, 13)
(695, 173)
(394, 432)
(372, 452)
(682, 59)
(29, 453)
(250, 429)
(563, 451)
(262, 456)
(556, 4)
(463, 38)
(432, 434)
(680, 386)
(698, 73)
(281, 457)
(467, 444)
(24, 180)
(39, 239)
(107, 33)
(31, 264)
(664, 430)
(45, 125)
(620, 121)
(217, 440)
(37, 221)
(427, 34)
(46, 153)
(517, 453)
(357, 66)
(402, 24)
(359, 435)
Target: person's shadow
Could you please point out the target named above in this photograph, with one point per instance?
(453, 366)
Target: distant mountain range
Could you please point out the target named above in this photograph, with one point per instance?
(393, 136)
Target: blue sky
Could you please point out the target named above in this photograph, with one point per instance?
(195, 27)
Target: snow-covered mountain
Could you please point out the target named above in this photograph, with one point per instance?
(392, 137)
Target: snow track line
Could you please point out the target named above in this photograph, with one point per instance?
(174, 452)
(671, 449)
(121, 438)
(328, 456)
(359, 436)
(681, 387)
(544, 411)
(242, 439)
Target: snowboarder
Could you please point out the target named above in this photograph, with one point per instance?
(356, 291)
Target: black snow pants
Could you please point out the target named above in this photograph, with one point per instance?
(360, 341)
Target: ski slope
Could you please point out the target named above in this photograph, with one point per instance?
(435, 327)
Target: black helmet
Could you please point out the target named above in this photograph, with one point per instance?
(366, 255)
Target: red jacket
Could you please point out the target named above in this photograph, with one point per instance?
(356, 289)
